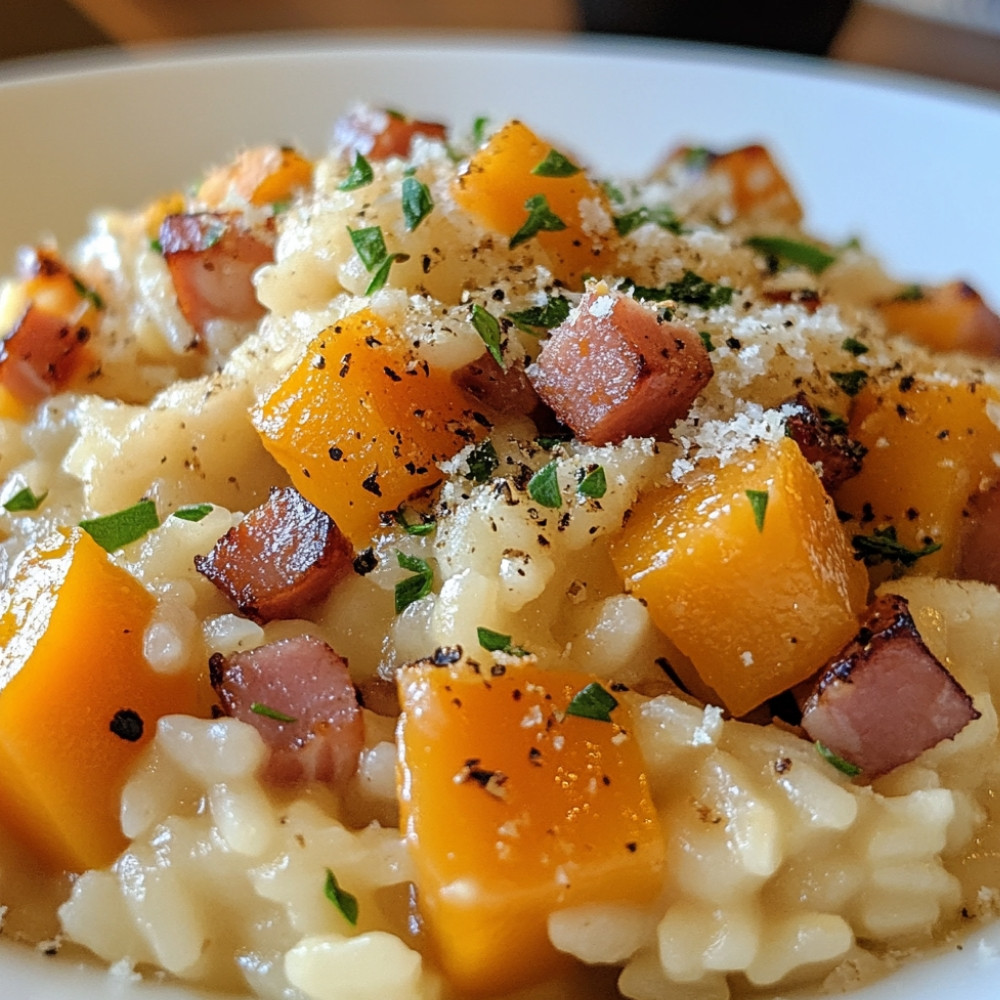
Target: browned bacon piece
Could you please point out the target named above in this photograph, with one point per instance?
(501, 390)
(822, 442)
(378, 134)
(297, 693)
(280, 557)
(212, 257)
(613, 370)
(980, 555)
(42, 355)
(885, 698)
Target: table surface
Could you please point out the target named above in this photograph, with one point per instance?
(875, 32)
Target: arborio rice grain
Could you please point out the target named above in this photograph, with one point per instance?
(779, 868)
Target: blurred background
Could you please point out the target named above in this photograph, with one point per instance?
(955, 40)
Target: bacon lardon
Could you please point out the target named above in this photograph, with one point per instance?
(885, 698)
(297, 693)
(614, 369)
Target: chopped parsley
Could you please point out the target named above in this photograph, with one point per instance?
(545, 317)
(593, 702)
(115, 531)
(911, 293)
(833, 422)
(692, 290)
(662, 216)
(792, 252)
(550, 441)
(555, 165)
(270, 713)
(423, 526)
(593, 483)
(87, 293)
(706, 339)
(883, 546)
(543, 487)
(156, 246)
(758, 502)
(24, 500)
(479, 129)
(360, 175)
(851, 382)
(844, 766)
(381, 276)
(497, 642)
(613, 192)
(417, 202)
(488, 328)
(854, 346)
(196, 512)
(541, 218)
(343, 900)
(482, 462)
(370, 245)
(414, 587)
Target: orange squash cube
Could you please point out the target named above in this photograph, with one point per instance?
(513, 809)
(78, 700)
(930, 448)
(499, 184)
(748, 571)
(262, 175)
(952, 317)
(359, 425)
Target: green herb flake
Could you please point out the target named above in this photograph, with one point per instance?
(758, 502)
(593, 702)
(911, 293)
(844, 766)
(156, 246)
(854, 346)
(613, 193)
(280, 207)
(414, 587)
(706, 339)
(555, 165)
(424, 526)
(482, 462)
(851, 382)
(550, 441)
(196, 512)
(543, 487)
(343, 900)
(692, 290)
(497, 642)
(360, 175)
(593, 484)
(87, 293)
(488, 327)
(793, 252)
(381, 276)
(698, 157)
(270, 713)
(552, 314)
(833, 422)
(24, 500)
(115, 531)
(417, 202)
(541, 218)
(479, 129)
(662, 216)
(883, 546)
(370, 245)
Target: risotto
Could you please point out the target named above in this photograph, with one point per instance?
(431, 570)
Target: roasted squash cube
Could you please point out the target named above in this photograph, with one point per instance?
(506, 189)
(78, 700)
(360, 425)
(513, 808)
(748, 571)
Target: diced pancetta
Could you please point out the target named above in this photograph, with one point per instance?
(297, 693)
(282, 556)
(614, 369)
(212, 257)
(823, 444)
(885, 698)
(377, 134)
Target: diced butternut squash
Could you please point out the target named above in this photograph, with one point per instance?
(758, 186)
(359, 424)
(78, 700)
(506, 191)
(748, 571)
(930, 448)
(514, 808)
(262, 175)
(952, 317)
